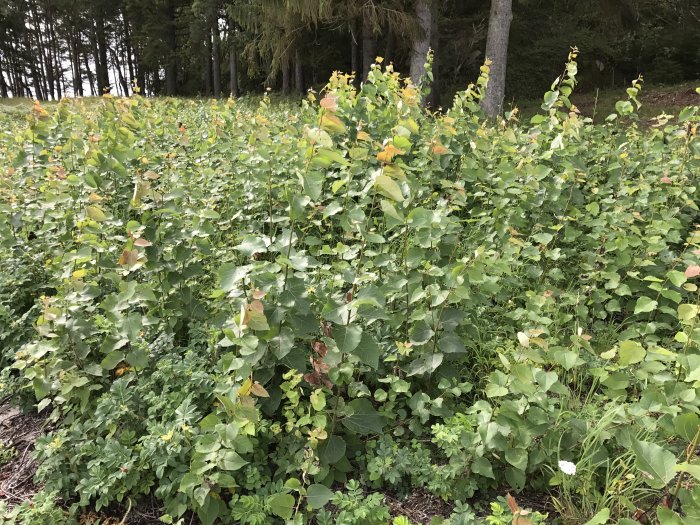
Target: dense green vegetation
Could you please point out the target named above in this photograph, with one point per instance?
(271, 313)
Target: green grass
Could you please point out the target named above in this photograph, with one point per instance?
(601, 103)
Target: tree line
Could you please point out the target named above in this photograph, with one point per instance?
(54, 48)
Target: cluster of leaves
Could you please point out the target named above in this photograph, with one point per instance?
(235, 306)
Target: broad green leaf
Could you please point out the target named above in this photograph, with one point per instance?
(451, 344)
(568, 359)
(543, 238)
(112, 359)
(425, 364)
(282, 505)
(364, 419)
(332, 450)
(368, 351)
(251, 245)
(388, 187)
(686, 425)
(631, 352)
(601, 518)
(231, 460)
(483, 467)
(493, 390)
(96, 213)
(667, 517)
(347, 337)
(693, 470)
(644, 305)
(318, 495)
(188, 481)
(687, 312)
(656, 462)
(517, 457)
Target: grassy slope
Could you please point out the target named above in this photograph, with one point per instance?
(655, 100)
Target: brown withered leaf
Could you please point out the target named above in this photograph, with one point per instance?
(312, 379)
(258, 390)
(320, 348)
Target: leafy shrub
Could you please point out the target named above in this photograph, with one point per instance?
(235, 306)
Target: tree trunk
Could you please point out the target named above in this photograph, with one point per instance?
(103, 70)
(369, 44)
(497, 51)
(88, 72)
(57, 67)
(421, 44)
(434, 97)
(3, 85)
(96, 59)
(286, 77)
(36, 81)
(171, 60)
(355, 51)
(127, 44)
(122, 80)
(206, 66)
(216, 59)
(233, 70)
(390, 46)
(44, 51)
(75, 55)
(298, 72)
(140, 70)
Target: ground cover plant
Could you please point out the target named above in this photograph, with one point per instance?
(265, 313)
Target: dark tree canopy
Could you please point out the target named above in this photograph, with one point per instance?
(54, 48)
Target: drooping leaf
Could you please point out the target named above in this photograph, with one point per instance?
(657, 463)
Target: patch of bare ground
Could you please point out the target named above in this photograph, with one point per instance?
(686, 96)
(18, 433)
(419, 507)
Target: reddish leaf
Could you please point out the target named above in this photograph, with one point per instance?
(692, 271)
(143, 243)
(512, 504)
(330, 102)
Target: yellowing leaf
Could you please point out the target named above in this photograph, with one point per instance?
(523, 339)
(439, 149)
(363, 135)
(390, 151)
(96, 213)
(331, 123)
(245, 388)
(392, 170)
